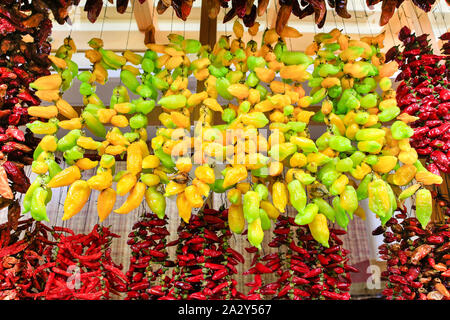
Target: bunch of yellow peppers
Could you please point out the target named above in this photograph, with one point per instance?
(266, 156)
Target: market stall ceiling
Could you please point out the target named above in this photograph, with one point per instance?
(121, 31)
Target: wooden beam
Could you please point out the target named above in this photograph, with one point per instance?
(208, 27)
(145, 15)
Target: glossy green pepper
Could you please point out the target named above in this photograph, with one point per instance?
(255, 62)
(262, 190)
(128, 78)
(173, 102)
(325, 209)
(69, 140)
(357, 157)
(401, 130)
(252, 80)
(362, 192)
(73, 154)
(156, 202)
(349, 200)
(307, 215)
(295, 57)
(38, 207)
(251, 205)
(424, 206)
(138, 121)
(53, 167)
(265, 220)
(166, 159)
(344, 165)
(340, 214)
(94, 124)
(388, 114)
(340, 143)
(297, 195)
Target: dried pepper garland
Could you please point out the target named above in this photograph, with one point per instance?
(74, 266)
(24, 50)
(424, 97)
(417, 259)
(204, 265)
(149, 261)
(306, 270)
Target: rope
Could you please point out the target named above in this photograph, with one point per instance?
(73, 22)
(103, 22)
(129, 25)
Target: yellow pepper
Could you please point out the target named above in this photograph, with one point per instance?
(173, 188)
(134, 199)
(134, 158)
(205, 174)
(150, 162)
(193, 196)
(184, 207)
(101, 181)
(65, 177)
(105, 203)
(319, 229)
(76, 198)
(279, 196)
(126, 183)
(236, 219)
(86, 164)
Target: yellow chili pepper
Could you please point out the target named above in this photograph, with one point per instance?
(184, 207)
(76, 198)
(193, 196)
(86, 164)
(173, 188)
(101, 181)
(134, 199)
(236, 219)
(150, 162)
(65, 177)
(205, 174)
(134, 158)
(279, 196)
(319, 229)
(105, 203)
(126, 183)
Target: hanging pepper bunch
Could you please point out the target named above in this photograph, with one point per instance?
(149, 262)
(205, 263)
(358, 142)
(35, 267)
(306, 270)
(417, 259)
(21, 62)
(424, 97)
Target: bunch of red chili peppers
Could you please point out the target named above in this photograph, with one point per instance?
(424, 92)
(24, 49)
(305, 269)
(38, 262)
(418, 261)
(149, 260)
(202, 269)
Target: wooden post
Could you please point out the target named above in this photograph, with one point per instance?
(146, 19)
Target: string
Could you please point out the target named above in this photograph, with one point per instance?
(171, 22)
(367, 18)
(74, 17)
(129, 25)
(225, 24)
(104, 18)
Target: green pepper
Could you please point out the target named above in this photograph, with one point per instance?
(307, 215)
(328, 70)
(340, 214)
(234, 76)
(148, 65)
(173, 102)
(357, 157)
(315, 82)
(156, 202)
(365, 86)
(262, 91)
(138, 121)
(281, 151)
(344, 165)
(166, 159)
(159, 83)
(26, 203)
(144, 91)
(335, 91)
(69, 140)
(93, 124)
(295, 57)
(322, 141)
(86, 89)
(297, 195)
(240, 55)
(53, 167)
(279, 48)
(305, 178)
(296, 126)
(371, 159)
(265, 220)
(318, 96)
(318, 117)
(37, 152)
(128, 78)
(388, 114)
(262, 172)
(262, 190)
(228, 115)
(252, 80)
(85, 76)
(251, 206)
(73, 154)
(361, 118)
(401, 130)
(93, 109)
(131, 136)
(255, 62)
(325, 209)
(424, 207)
(150, 54)
(379, 201)
(340, 143)
(38, 207)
